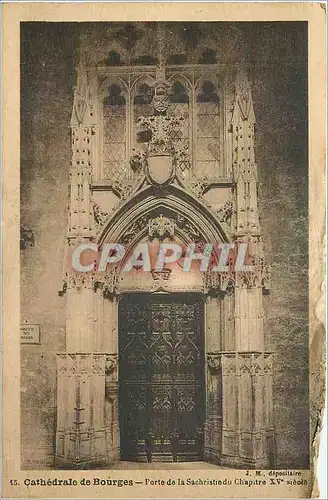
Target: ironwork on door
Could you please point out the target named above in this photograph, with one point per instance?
(161, 372)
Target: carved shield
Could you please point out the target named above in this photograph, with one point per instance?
(160, 169)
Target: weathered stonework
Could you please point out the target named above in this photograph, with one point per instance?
(162, 165)
(135, 203)
(87, 420)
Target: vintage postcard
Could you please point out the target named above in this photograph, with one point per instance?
(163, 229)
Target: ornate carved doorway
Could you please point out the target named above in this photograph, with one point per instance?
(161, 373)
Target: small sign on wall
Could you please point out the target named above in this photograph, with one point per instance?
(30, 334)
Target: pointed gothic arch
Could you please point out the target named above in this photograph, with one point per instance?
(173, 200)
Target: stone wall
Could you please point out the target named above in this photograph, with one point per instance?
(281, 139)
(277, 52)
(45, 156)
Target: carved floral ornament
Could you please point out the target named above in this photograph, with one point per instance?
(125, 189)
(158, 164)
(111, 361)
(108, 282)
(229, 280)
(160, 101)
(214, 361)
(225, 212)
(161, 280)
(100, 217)
(198, 186)
(161, 226)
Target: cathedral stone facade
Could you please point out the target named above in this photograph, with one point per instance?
(163, 365)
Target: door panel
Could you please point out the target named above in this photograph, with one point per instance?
(161, 375)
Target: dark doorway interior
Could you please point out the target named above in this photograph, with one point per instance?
(161, 373)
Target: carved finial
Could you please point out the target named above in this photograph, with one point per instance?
(82, 102)
(161, 40)
(224, 213)
(243, 107)
(161, 279)
(161, 226)
(160, 101)
(243, 87)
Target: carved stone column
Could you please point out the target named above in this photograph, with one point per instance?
(105, 313)
(242, 372)
(110, 332)
(227, 312)
(247, 427)
(84, 141)
(80, 313)
(249, 335)
(111, 409)
(213, 322)
(87, 387)
(239, 428)
(213, 425)
(87, 429)
(83, 434)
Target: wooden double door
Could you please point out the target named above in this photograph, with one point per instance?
(161, 374)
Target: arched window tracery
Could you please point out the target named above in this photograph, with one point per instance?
(196, 137)
(114, 131)
(141, 107)
(208, 129)
(179, 99)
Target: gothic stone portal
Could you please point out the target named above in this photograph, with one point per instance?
(160, 154)
(161, 364)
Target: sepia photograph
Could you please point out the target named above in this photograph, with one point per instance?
(149, 133)
(163, 250)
